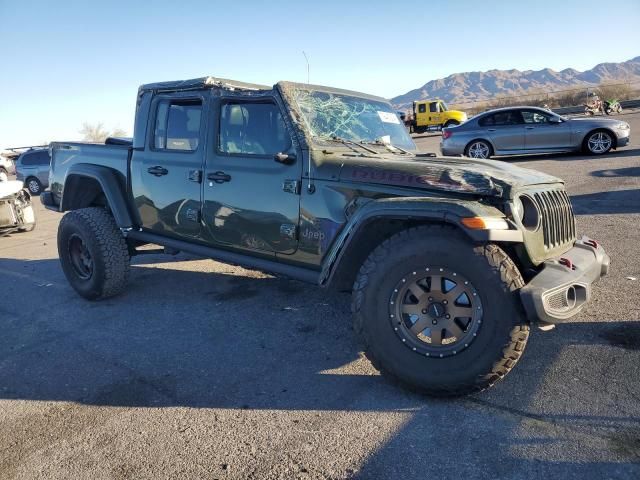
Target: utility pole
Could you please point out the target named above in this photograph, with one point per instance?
(307, 60)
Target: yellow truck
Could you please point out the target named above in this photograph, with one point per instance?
(433, 115)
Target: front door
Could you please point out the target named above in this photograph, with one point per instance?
(252, 201)
(166, 175)
(541, 133)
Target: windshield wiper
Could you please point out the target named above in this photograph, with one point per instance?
(349, 143)
(391, 147)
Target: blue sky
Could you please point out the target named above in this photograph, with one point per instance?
(67, 62)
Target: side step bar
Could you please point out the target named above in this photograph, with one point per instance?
(225, 256)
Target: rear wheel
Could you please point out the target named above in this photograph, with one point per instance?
(93, 253)
(34, 186)
(439, 314)
(598, 142)
(478, 149)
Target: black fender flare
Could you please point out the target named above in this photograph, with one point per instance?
(112, 186)
(439, 210)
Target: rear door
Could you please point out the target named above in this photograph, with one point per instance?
(505, 129)
(166, 176)
(541, 134)
(251, 202)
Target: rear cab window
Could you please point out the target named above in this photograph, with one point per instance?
(177, 125)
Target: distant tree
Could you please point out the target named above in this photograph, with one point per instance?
(96, 133)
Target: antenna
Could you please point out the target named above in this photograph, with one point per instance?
(307, 59)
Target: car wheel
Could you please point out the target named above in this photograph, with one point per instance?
(438, 314)
(93, 253)
(34, 186)
(478, 149)
(598, 142)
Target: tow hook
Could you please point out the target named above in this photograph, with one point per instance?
(591, 243)
(567, 263)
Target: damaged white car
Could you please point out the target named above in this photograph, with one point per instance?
(16, 210)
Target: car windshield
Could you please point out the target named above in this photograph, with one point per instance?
(354, 119)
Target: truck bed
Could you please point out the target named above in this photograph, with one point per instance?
(66, 154)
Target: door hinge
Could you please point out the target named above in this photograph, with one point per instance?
(291, 186)
(195, 176)
(289, 230)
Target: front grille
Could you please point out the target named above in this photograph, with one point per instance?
(558, 222)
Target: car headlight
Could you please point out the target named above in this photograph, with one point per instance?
(624, 126)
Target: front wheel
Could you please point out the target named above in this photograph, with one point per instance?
(478, 149)
(598, 142)
(93, 253)
(439, 314)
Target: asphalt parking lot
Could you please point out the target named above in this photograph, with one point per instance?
(203, 370)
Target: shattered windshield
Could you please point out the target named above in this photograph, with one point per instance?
(354, 119)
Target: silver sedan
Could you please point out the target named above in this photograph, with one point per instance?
(524, 130)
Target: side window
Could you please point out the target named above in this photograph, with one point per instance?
(252, 129)
(433, 107)
(487, 121)
(509, 117)
(42, 158)
(531, 116)
(177, 125)
(422, 108)
(36, 158)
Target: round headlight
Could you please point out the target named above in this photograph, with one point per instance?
(518, 209)
(530, 218)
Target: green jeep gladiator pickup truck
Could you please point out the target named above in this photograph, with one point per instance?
(449, 261)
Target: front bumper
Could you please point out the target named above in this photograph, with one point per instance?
(563, 286)
(622, 141)
(46, 198)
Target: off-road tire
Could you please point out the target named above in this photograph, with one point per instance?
(107, 247)
(500, 341)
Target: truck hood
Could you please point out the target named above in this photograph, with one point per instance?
(475, 177)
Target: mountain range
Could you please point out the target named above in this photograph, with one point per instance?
(467, 87)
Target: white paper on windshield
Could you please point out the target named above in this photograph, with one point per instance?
(388, 117)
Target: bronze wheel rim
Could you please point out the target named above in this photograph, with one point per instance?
(81, 260)
(435, 312)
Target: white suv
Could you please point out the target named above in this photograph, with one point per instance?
(7, 166)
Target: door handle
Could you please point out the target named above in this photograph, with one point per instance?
(529, 128)
(157, 171)
(219, 177)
